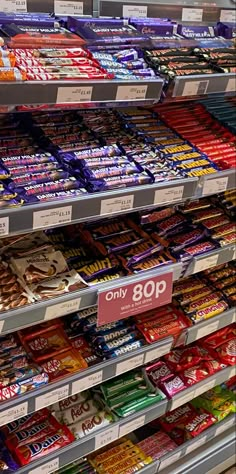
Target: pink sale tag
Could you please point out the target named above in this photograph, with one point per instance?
(134, 298)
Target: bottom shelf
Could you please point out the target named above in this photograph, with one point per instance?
(202, 454)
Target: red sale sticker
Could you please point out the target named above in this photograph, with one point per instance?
(134, 298)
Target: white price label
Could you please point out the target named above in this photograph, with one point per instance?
(231, 86)
(51, 217)
(61, 309)
(87, 382)
(51, 397)
(195, 88)
(158, 352)
(204, 387)
(1, 325)
(109, 206)
(135, 10)
(224, 425)
(4, 226)
(182, 399)
(50, 466)
(129, 364)
(170, 460)
(72, 95)
(131, 426)
(205, 263)
(195, 444)
(15, 6)
(12, 414)
(232, 373)
(234, 255)
(192, 14)
(214, 186)
(207, 329)
(228, 16)
(64, 7)
(131, 92)
(168, 195)
(106, 437)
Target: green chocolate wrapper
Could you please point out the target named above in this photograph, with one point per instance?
(120, 384)
(134, 406)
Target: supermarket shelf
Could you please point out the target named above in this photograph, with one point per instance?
(30, 315)
(104, 436)
(62, 92)
(211, 259)
(118, 429)
(198, 85)
(202, 11)
(76, 383)
(201, 387)
(211, 452)
(203, 441)
(33, 217)
(208, 326)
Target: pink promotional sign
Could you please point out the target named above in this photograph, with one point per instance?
(134, 298)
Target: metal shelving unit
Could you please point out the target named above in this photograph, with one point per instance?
(199, 449)
(35, 313)
(183, 11)
(92, 206)
(78, 91)
(78, 382)
(118, 429)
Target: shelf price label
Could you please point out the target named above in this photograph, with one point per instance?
(12, 414)
(51, 397)
(192, 14)
(4, 226)
(124, 203)
(195, 88)
(158, 352)
(214, 186)
(87, 382)
(134, 10)
(231, 86)
(64, 7)
(134, 298)
(205, 263)
(228, 16)
(195, 444)
(207, 328)
(170, 460)
(73, 95)
(129, 364)
(131, 426)
(47, 468)
(51, 217)
(106, 437)
(1, 325)
(131, 92)
(168, 195)
(62, 309)
(15, 6)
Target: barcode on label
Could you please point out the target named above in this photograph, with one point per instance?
(195, 88)
(202, 87)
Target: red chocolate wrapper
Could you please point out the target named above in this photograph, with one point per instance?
(32, 451)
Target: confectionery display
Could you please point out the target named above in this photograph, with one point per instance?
(62, 155)
(117, 241)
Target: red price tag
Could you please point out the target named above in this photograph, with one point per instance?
(134, 298)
